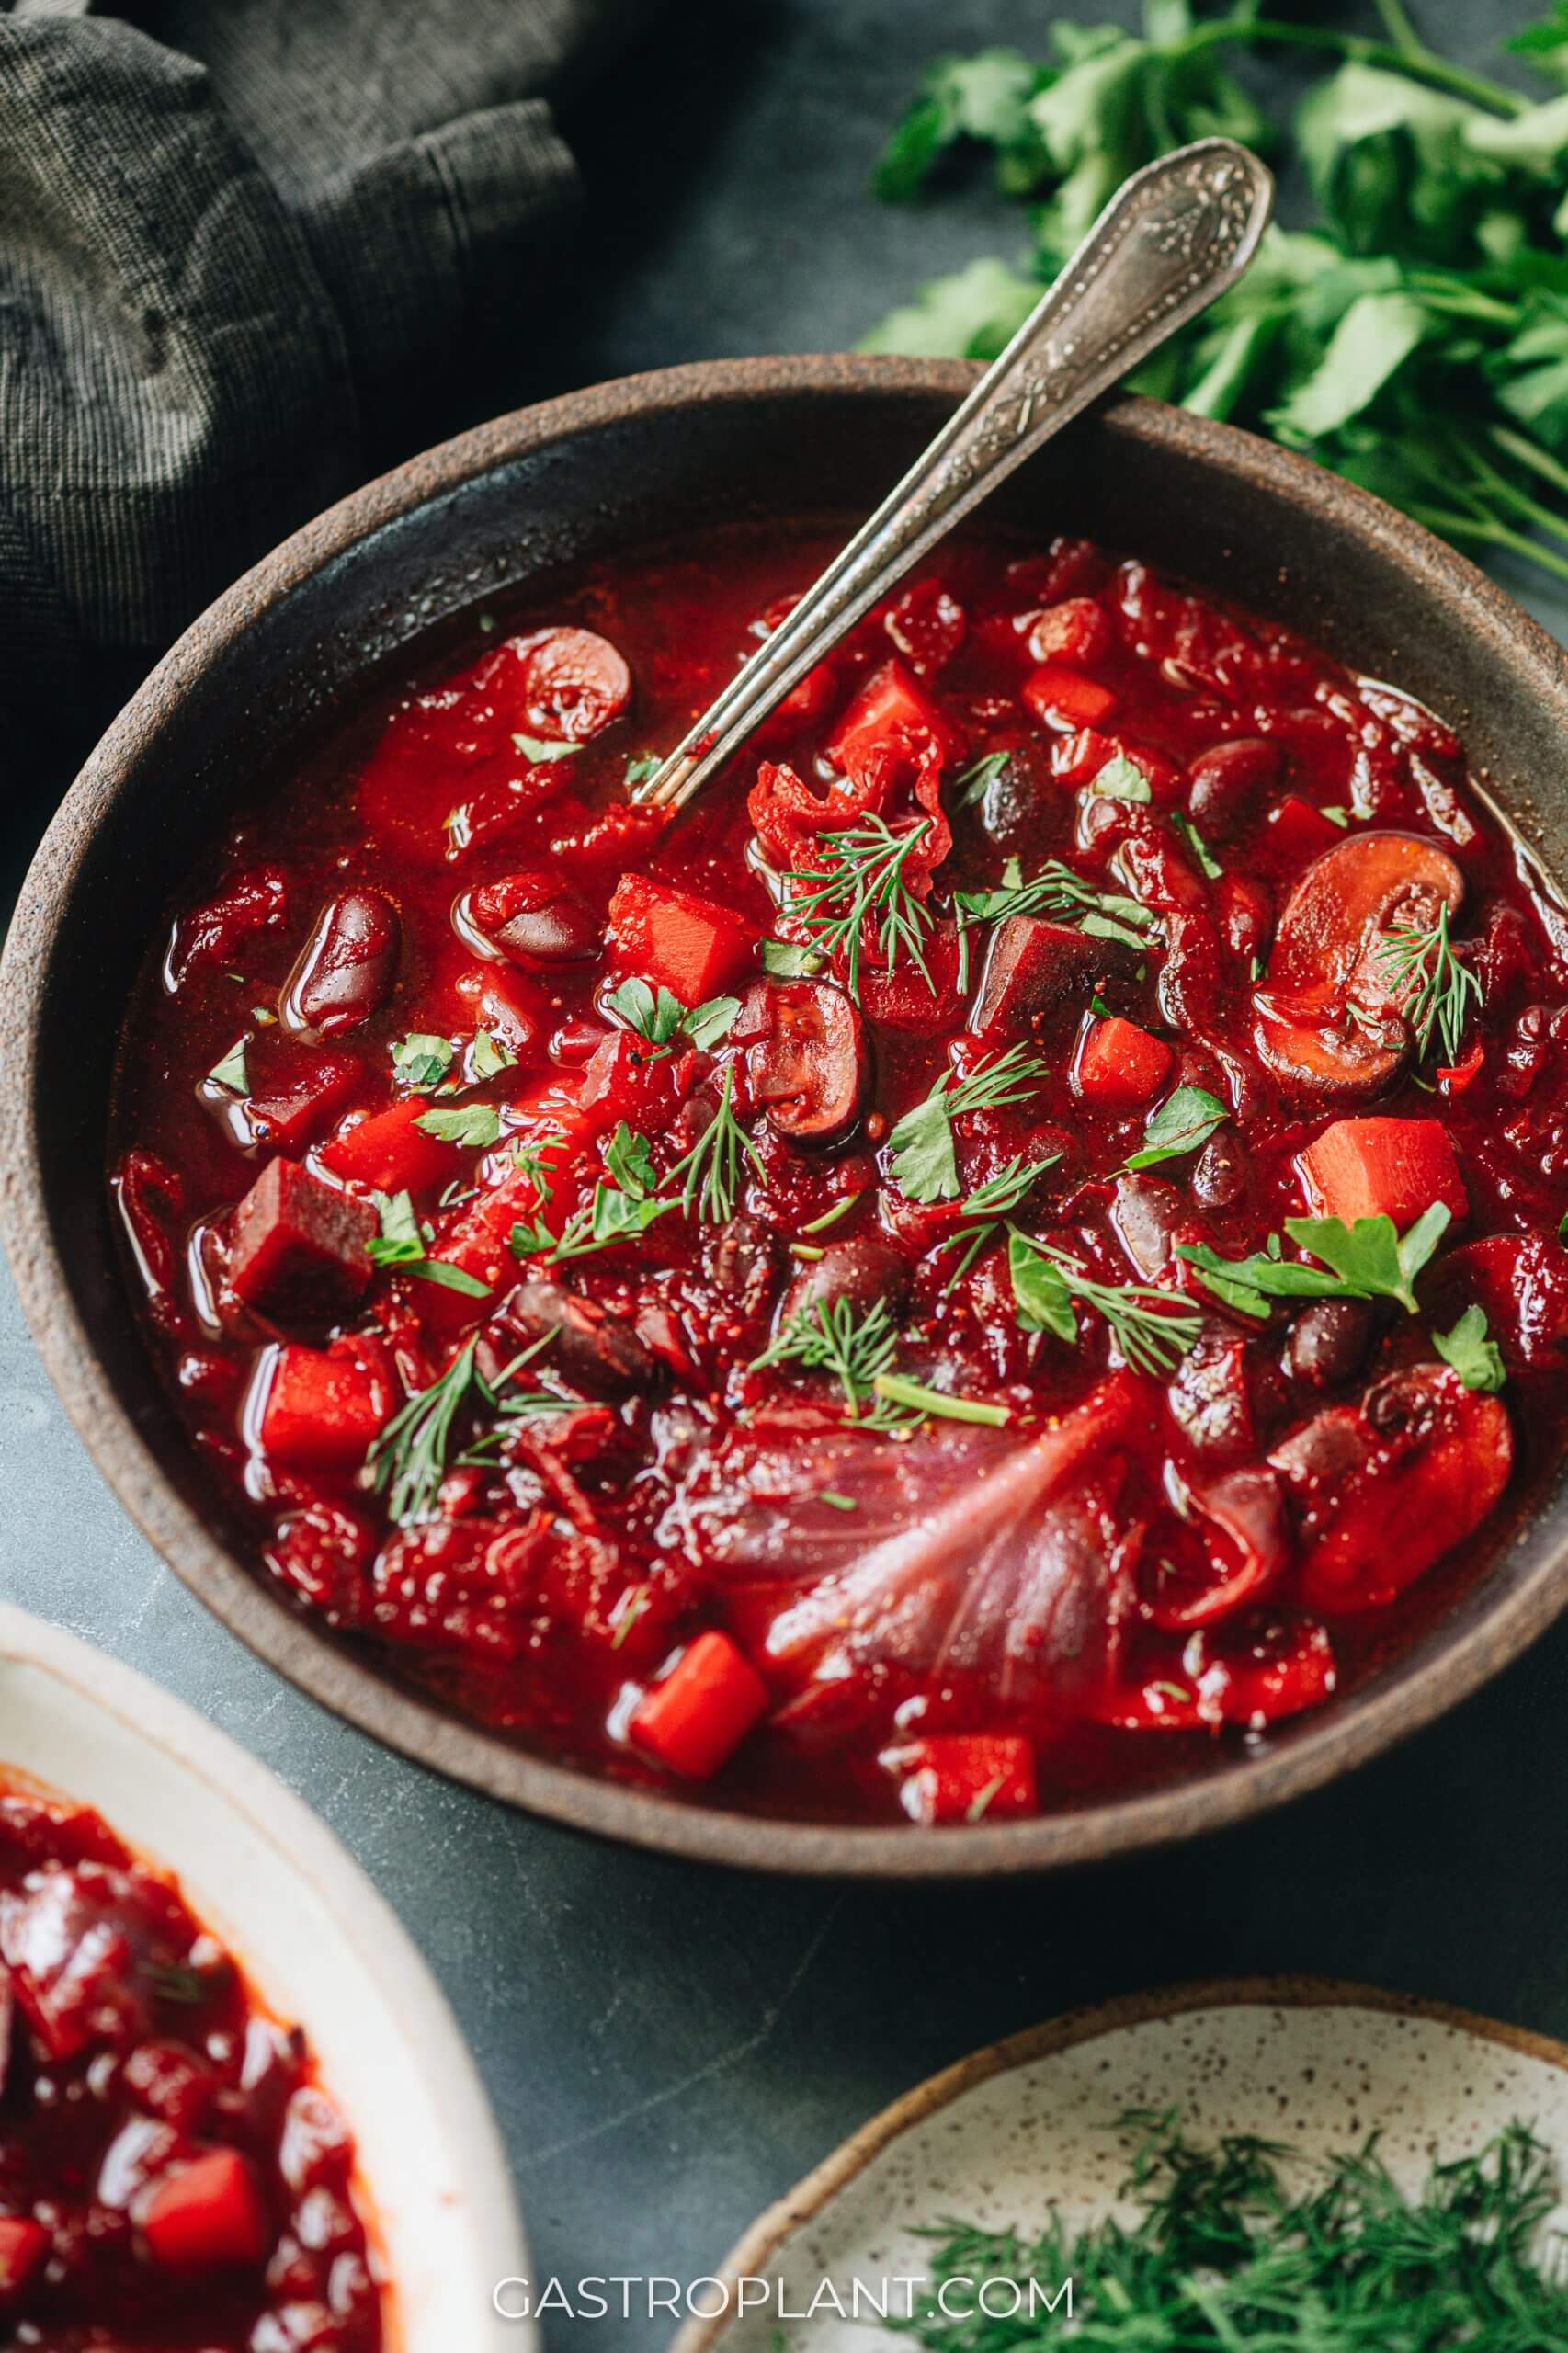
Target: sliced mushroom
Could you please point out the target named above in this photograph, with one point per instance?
(593, 1350)
(1383, 1489)
(346, 968)
(574, 682)
(531, 920)
(1328, 1018)
(809, 1068)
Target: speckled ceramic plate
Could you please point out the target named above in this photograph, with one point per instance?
(1024, 2125)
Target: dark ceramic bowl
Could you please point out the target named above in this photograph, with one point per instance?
(605, 469)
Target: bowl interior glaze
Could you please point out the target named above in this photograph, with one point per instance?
(624, 465)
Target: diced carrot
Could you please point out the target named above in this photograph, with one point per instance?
(702, 1709)
(1062, 698)
(1300, 830)
(391, 1151)
(675, 941)
(322, 1407)
(206, 2215)
(1382, 1168)
(964, 1777)
(1120, 1065)
(23, 2246)
(893, 702)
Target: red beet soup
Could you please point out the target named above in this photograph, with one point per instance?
(172, 2179)
(1007, 1245)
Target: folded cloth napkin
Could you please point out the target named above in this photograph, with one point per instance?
(241, 245)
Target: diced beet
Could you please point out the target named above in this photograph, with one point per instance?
(674, 940)
(901, 998)
(206, 2215)
(1035, 969)
(1384, 1168)
(1120, 1065)
(391, 1153)
(298, 1249)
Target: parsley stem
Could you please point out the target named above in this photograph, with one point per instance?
(897, 1390)
(1420, 64)
(1490, 534)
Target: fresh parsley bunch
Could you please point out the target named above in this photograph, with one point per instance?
(1414, 337)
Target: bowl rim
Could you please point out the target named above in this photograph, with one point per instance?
(370, 1930)
(1354, 1728)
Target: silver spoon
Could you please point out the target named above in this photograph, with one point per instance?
(1172, 238)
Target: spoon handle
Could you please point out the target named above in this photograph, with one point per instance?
(1173, 237)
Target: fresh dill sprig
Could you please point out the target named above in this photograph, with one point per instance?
(1152, 1327)
(988, 1206)
(710, 1174)
(410, 1457)
(832, 1338)
(1222, 2256)
(866, 883)
(923, 1161)
(1057, 890)
(1434, 991)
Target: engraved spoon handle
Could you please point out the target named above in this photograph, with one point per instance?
(1173, 237)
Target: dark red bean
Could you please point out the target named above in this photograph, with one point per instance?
(347, 969)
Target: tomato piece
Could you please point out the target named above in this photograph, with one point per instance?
(1384, 1488)
(215, 934)
(702, 1710)
(891, 703)
(322, 1408)
(1064, 699)
(298, 1248)
(1382, 1168)
(573, 683)
(964, 1777)
(1250, 1675)
(1520, 1281)
(678, 941)
(1076, 631)
(391, 1153)
(514, 1012)
(927, 625)
(23, 2246)
(1120, 1065)
(207, 2215)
